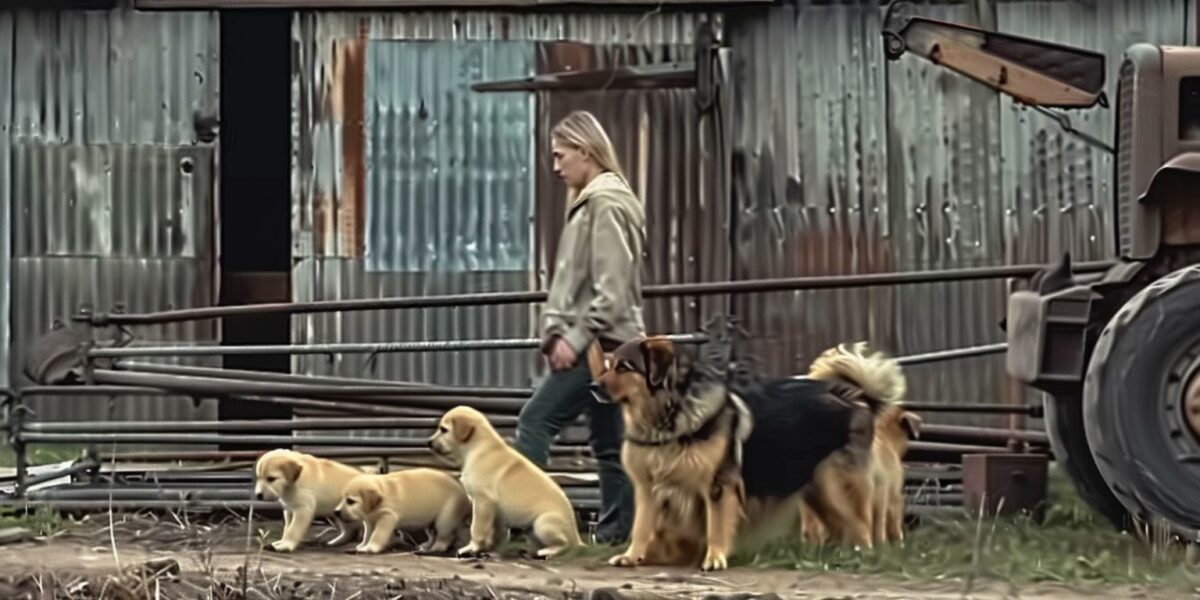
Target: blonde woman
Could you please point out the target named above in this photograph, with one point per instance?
(596, 295)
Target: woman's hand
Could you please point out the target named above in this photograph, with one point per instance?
(561, 356)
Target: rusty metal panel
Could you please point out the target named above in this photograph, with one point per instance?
(112, 184)
(331, 65)
(330, 76)
(113, 200)
(810, 177)
(6, 94)
(118, 76)
(448, 181)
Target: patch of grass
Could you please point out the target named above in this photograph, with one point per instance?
(41, 454)
(1072, 545)
(41, 521)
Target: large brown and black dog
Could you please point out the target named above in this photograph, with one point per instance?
(700, 449)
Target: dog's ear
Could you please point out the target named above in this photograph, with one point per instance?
(660, 360)
(291, 470)
(911, 423)
(463, 429)
(370, 499)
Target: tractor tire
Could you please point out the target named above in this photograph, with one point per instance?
(1068, 440)
(1133, 404)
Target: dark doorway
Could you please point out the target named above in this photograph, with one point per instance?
(255, 190)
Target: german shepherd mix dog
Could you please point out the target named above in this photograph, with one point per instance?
(700, 449)
(849, 488)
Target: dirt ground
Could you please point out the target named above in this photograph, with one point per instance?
(197, 559)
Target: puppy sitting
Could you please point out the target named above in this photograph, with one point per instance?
(506, 489)
(307, 487)
(409, 499)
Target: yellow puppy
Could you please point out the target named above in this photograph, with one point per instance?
(307, 487)
(506, 489)
(409, 499)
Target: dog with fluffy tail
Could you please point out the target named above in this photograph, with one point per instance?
(844, 503)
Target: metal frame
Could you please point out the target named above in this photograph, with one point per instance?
(396, 405)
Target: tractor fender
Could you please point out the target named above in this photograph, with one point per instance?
(1177, 178)
(1171, 202)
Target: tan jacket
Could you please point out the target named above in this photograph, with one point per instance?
(597, 287)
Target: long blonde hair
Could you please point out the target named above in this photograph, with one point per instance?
(581, 130)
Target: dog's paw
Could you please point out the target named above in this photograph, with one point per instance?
(282, 546)
(714, 561)
(625, 560)
(470, 551)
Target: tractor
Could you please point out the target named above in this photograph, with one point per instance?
(1116, 353)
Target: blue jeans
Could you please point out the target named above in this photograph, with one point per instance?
(558, 401)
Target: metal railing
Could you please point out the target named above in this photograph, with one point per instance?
(747, 286)
(392, 405)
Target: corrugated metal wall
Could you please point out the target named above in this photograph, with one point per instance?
(348, 60)
(843, 163)
(449, 184)
(853, 164)
(112, 192)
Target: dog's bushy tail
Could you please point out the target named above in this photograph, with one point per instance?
(880, 377)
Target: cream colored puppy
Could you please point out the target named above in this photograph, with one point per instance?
(308, 487)
(409, 499)
(506, 489)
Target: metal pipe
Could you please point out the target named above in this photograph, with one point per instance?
(346, 348)
(348, 406)
(529, 297)
(87, 390)
(920, 451)
(101, 493)
(390, 388)
(1029, 409)
(263, 425)
(252, 455)
(269, 376)
(223, 387)
(942, 355)
(121, 492)
(173, 505)
(352, 405)
(982, 434)
(200, 438)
